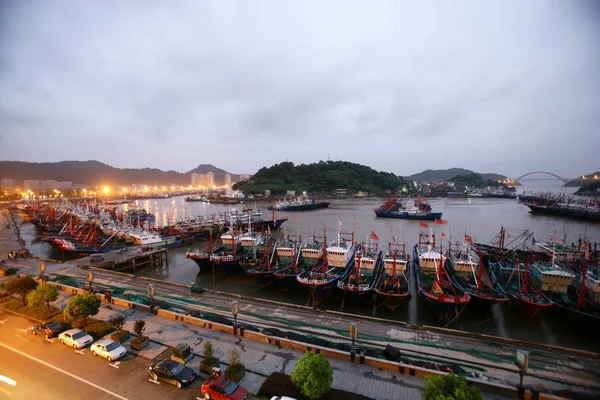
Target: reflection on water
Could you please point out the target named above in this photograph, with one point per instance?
(479, 218)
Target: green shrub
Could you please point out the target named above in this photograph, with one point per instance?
(209, 358)
(313, 375)
(450, 387)
(41, 313)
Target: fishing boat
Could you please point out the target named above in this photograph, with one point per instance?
(472, 277)
(515, 281)
(575, 293)
(202, 257)
(232, 253)
(395, 208)
(264, 269)
(436, 289)
(291, 261)
(336, 264)
(298, 204)
(393, 286)
(363, 275)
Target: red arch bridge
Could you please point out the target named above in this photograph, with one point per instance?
(554, 176)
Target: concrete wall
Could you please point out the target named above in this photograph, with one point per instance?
(291, 344)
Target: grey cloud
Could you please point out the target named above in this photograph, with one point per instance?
(187, 82)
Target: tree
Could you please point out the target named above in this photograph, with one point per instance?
(21, 286)
(312, 375)
(450, 387)
(118, 322)
(83, 305)
(139, 327)
(45, 293)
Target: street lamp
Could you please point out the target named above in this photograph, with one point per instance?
(235, 309)
(151, 295)
(353, 336)
(522, 364)
(90, 278)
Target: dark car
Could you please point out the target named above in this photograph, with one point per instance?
(49, 329)
(218, 387)
(172, 372)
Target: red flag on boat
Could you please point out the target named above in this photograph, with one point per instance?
(443, 234)
(468, 238)
(441, 221)
(374, 236)
(423, 225)
(269, 229)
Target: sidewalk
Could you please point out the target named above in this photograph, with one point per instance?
(260, 359)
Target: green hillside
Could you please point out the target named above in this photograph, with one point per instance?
(324, 176)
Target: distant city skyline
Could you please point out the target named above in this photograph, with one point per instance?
(507, 87)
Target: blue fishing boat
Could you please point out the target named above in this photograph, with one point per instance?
(337, 262)
(264, 269)
(392, 289)
(363, 276)
(293, 258)
(472, 277)
(439, 294)
(395, 208)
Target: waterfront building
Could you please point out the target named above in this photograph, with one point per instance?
(210, 180)
(7, 183)
(195, 180)
(244, 177)
(228, 180)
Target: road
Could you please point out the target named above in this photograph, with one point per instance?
(46, 369)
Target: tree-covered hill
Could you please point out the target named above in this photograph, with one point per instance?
(324, 176)
(474, 180)
(590, 188)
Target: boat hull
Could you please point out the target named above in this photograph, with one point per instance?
(392, 301)
(404, 215)
(302, 207)
(263, 278)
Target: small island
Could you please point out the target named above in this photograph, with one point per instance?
(589, 189)
(322, 177)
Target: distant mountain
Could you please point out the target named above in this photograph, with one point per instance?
(97, 173)
(219, 173)
(581, 182)
(444, 175)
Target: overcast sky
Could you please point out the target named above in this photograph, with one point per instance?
(494, 86)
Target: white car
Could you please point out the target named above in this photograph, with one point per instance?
(76, 338)
(108, 349)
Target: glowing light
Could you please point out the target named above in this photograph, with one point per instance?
(106, 190)
(124, 189)
(6, 379)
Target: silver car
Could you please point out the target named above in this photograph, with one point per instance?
(108, 349)
(76, 338)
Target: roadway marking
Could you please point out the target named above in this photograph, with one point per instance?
(5, 391)
(153, 381)
(50, 340)
(80, 351)
(24, 330)
(115, 364)
(63, 371)
(3, 321)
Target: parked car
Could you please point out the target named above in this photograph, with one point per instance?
(49, 329)
(172, 372)
(218, 387)
(108, 349)
(76, 338)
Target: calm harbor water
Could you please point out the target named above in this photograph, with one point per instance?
(479, 218)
